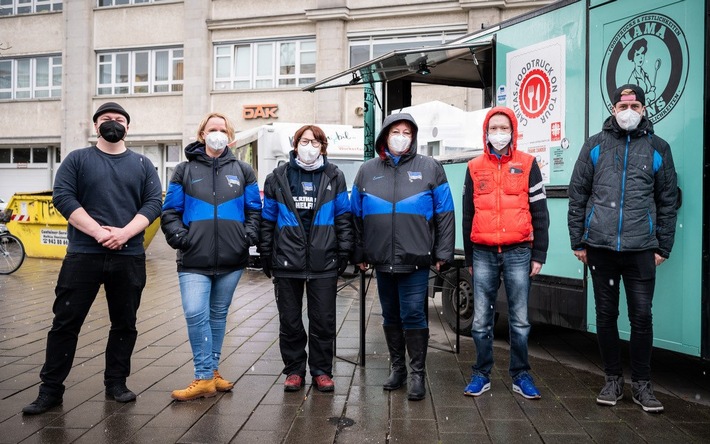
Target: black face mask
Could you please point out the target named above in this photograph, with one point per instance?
(112, 131)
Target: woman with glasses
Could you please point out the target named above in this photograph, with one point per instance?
(306, 239)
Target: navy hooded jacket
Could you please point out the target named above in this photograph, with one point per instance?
(403, 211)
(211, 212)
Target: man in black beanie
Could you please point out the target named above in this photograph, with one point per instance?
(622, 216)
(109, 195)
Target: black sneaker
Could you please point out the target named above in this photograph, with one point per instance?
(120, 393)
(642, 392)
(43, 403)
(612, 391)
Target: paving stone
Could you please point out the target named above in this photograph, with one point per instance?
(565, 365)
(607, 432)
(460, 420)
(512, 430)
(214, 429)
(313, 430)
(413, 430)
(554, 421)
(272, 417)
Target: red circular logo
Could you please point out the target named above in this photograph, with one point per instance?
(534, 93)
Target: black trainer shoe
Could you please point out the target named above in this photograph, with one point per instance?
(612, 391)
(120, 393)
(43, 403)
(642, 392)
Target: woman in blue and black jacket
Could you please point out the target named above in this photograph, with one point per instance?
(306, 240)
(210, 216)
(403, 217)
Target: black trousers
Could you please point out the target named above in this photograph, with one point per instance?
(320, 294)
(80, 278)
(638, 272)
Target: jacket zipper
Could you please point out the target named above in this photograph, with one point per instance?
(498, 217)
(394, 203)
(215, 173)
(623, 191)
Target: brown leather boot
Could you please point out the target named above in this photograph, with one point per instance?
(200, 388)
(222, 384)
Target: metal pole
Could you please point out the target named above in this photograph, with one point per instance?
(363, 320)
(458, 307)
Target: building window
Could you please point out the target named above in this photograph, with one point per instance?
(363, 49)
(277, 64)
(23, 155)
(14, 7)
(140, 72)
(103, 3)
(30, 78)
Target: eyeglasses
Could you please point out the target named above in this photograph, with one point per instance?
(314, 142)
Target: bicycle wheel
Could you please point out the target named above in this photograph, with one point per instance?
(12, 253)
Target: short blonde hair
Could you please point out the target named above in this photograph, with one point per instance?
(203, 124)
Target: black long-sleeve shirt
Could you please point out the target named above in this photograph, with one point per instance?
(112, 189)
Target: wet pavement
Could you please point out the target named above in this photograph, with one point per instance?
(565, 365)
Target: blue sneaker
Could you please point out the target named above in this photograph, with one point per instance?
(477, 386)
(524, 385)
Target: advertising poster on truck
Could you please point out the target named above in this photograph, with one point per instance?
(536, 79)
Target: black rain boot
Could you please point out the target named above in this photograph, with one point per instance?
(417, 342)
(395, 343)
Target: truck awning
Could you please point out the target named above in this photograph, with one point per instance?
(454, 65)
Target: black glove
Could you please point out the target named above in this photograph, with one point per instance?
(444, 267)
(179, 240)
(342, 265)
(266, 265)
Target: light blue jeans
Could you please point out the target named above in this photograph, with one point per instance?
(488, 266)
(206, 301)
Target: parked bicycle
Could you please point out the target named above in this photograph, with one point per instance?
(12, 252)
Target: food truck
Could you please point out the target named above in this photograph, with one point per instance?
(556, 68)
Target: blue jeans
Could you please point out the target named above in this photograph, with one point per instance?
(488, 266)
(205, 301)
(403, 298)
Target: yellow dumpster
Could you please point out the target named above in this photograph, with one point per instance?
(42, 229)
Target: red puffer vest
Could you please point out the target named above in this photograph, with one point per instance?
(500, 193)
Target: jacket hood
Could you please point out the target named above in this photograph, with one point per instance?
(196, 151)
(514, 123)
(645, 127)
(381, 141)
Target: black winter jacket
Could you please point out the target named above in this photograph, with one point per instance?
(293, 252)
(623, 191)
(403, 212)
(211, 212)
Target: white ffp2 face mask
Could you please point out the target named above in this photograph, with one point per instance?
(628, 119)
(499, 140)
(398, 144)
(308, 153)
(216, 140)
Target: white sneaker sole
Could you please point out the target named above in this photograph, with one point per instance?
(607, 402)
(649, 409)
(485, 388)
(519, 391)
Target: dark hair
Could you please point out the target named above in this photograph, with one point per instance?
(638, 44)
(318, 134)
